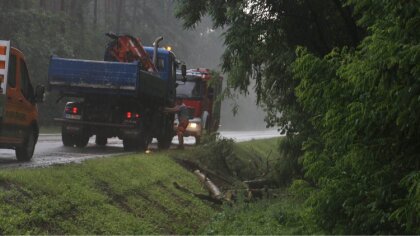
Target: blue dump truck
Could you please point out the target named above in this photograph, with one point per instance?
(122, 96)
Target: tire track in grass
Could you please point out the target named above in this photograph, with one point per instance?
(122, 203)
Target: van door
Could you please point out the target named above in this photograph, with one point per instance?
(10, 131)
(26, 96)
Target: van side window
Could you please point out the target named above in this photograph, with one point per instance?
(11, 74)
(25, 83)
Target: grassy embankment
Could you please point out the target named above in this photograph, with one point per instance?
(121, 195)
(246, 161)
(135, 195)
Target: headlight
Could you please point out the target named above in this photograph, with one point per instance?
(193, 125)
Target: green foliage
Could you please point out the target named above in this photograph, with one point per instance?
(121, 195)
(236, 161)
(363, 104)
(278, 216)
(348, 103)
(41, 34)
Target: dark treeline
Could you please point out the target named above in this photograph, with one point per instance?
(76, 28)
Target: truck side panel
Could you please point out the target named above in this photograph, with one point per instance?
(85, 77)
(71, 76)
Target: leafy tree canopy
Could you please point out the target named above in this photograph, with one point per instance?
(344, 77)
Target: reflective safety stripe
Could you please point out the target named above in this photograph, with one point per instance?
(3, 50)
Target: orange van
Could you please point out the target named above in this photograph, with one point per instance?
(18, 111)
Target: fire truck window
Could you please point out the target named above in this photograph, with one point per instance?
(11, 74)
(196, 89)
(189, 89)
(25, 84)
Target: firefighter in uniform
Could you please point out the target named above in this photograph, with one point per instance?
(183, 119)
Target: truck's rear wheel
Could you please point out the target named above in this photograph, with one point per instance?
(143, 143)
(81, 141)
(101, 140)
(26, 151)
(165, 139)
(68, 140)
(128, 144)
(131, 144)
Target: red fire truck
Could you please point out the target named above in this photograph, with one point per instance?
(199, 92)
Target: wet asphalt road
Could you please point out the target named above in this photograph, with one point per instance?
(50, 150)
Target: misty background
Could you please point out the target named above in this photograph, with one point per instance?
(76, 28)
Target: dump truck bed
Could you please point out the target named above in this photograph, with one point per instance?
(75, 77)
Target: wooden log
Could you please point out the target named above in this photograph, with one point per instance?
(211, 187)
(201, 196)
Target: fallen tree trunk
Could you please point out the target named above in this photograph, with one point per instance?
(211, 187)
(201, 196)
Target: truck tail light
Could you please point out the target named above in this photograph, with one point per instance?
(72, 110)
(128, 115)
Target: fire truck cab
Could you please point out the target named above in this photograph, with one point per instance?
(18, 111)
(199, 92)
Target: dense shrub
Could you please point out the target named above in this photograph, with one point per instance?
(364, 157)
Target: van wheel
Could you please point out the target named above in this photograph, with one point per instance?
(197, 140)
(26, 151)
(101, 140)
(81, 141)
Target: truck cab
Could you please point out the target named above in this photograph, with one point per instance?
(19, 128)
(199, 92)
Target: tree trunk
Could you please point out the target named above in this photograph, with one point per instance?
(134, 21)
(63, 11)
(95, 13)
(211, 187)
(43, 4)
(120, 7)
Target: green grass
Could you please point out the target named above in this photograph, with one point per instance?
(257, 157)
(235, 161)
(280, 214)
(135, 194)
(121, 195)
(275, 216)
